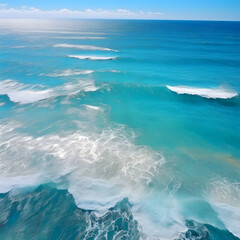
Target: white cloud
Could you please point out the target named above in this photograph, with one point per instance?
(32, 12)
(2, 5)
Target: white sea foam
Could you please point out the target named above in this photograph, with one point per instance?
(26, 93)
(83, 47)
(68, 72)
(14, 182)
(83, 57)
(224, 196)
(74, 72)
(2, 104)
(100, 167)
(92, 107)
(204, 92)
(159, 217)
(19, 92)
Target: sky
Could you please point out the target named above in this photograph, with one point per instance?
(227, 10)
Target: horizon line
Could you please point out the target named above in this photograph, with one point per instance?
(121, 19)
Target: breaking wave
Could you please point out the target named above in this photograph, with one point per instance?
(224, 196)
(83, 57)
(199, 231)
(26, 93)
(117, 223)
(101, 168)
(204, 92)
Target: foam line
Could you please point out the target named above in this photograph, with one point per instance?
(204, 92)
(68, 72)
(26, 93)
(83, 57)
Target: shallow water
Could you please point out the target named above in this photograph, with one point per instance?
(119, 129)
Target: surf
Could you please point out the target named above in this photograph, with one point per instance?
(214, 93)
(95, 58)
(26, 93)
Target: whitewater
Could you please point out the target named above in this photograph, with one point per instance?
(119, 130)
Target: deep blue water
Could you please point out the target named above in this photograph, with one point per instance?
(116, 129)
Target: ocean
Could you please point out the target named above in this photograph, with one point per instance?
(119, 129)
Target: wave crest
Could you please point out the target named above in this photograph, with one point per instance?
(224, 196)
(204, 92)
(101, 168)
(26, 93)
(83, 57)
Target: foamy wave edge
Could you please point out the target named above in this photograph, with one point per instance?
(214, 93)
(83, 57)
(224, 197)
(26, 93)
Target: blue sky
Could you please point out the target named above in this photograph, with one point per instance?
(150, 9)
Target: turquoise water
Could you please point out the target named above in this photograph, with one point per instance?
(119, 129)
